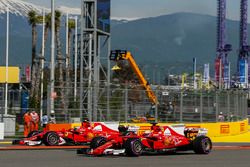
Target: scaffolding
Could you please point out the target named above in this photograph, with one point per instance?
(93, 40)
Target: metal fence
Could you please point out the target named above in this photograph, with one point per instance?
(129, 103)
(15, 103)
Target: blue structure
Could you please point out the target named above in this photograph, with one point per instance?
(24, 101)
(222, 48)
(244, 47)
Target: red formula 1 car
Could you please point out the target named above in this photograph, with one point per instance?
(159, 139)
(77, 136)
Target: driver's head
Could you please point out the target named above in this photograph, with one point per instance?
(155, 127)
(122, 128)
(85, 124)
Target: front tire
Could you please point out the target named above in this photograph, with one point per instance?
(97, 142)
(133, 147)
(51, 139)
(202, 145)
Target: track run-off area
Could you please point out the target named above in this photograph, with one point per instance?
(3, 147)
(223, 154)
(69, 158)
(226, 152)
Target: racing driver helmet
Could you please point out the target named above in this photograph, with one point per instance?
(85, 124)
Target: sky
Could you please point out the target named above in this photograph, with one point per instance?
(151, 8)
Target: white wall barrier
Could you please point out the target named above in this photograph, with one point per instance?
(1, 131)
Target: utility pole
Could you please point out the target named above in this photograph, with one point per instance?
(67, 64)
(76, 49)
(42, 67)
(7, 63)
(194, 71)
(67, 37)
(52, 68)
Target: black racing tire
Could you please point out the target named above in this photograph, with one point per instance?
(33, 133)
(51, 139)
(133, 147)
(202, 145)
(16, 142)
(97, 142)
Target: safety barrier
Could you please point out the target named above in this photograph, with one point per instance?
(58, 127)
(223, 129)
(214, 129)
(1, 131)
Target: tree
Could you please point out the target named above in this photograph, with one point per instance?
(33, 20)
(59, 57)
(125, 74)
(46, 34)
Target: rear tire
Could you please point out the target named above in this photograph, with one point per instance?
(202, 145)
(51, 139)
(133, 147)
(97, 142)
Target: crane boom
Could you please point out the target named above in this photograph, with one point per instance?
(117, 55)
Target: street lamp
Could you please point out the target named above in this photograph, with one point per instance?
(7, 63)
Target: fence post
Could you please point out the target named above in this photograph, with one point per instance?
(201, 107)
(126, 104)
(246, 105)
(108, 102)
(237, 102)
(243, 105)
(240, 105)
(216, 106)
(181, 107)
(156, 108)
(90, 103)
(48, 101)
(228, 104)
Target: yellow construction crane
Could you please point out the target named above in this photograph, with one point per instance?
(118, 55)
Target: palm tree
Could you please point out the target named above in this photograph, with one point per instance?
(59, 57)
(47, 27)
(71, 27)
(46, 34)
(33, 20)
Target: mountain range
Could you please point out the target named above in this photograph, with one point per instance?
(168, 41)
(174, 40)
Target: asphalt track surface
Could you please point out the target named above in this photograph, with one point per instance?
(69, 158)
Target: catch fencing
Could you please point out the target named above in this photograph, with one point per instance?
(129, 103)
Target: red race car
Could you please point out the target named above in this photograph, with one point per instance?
(159, 139)
(77, 136)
